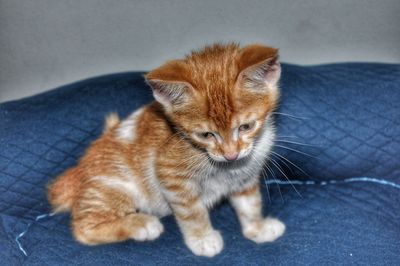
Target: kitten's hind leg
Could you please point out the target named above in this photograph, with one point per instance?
(101, 228)
(104, 215)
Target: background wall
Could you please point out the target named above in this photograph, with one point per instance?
(47, 43)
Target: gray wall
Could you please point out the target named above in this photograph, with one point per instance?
(47, 43)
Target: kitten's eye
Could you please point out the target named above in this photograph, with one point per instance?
(247, 127)
(206, 135)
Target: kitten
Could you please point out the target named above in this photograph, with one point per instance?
(205, 138)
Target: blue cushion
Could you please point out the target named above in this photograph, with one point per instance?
(338, 141)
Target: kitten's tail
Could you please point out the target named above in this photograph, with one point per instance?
(62, 191)
(112, 120)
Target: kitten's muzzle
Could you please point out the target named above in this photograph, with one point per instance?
(231, 156)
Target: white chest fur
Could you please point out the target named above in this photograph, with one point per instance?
(221, 179)
(226, 178)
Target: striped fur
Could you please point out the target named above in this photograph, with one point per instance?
(161, 161)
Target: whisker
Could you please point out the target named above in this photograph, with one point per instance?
(284, 147)
(168, 139)
(289, 161)
(178, 142)
(290, 116)
(196, 167)
(264, 175)
(191, 158)
(280, 170)
(274, 178)
(297, 143)
(293, 137)
(280, 159)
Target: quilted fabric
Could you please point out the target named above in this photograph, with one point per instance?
(335, 122)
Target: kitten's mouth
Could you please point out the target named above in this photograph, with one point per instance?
(242, 162)
(224, 163)
(243, 157)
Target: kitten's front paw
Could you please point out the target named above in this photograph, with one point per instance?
(150, 231)
(266, 230)
(208, 245)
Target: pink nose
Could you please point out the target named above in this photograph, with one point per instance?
(231, 156)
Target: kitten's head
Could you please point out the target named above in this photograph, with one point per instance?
(220, 96)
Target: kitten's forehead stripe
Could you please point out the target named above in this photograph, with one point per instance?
(220, 109)
(216, 81)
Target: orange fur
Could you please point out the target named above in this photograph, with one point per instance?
(112, 120)
(160, 160)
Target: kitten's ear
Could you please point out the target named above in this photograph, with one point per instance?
(259, 67)
(169, 85)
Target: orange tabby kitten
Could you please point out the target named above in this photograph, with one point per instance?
(205, 138)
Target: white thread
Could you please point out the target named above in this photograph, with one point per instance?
(18, 237)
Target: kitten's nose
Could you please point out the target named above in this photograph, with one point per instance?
(231, 156)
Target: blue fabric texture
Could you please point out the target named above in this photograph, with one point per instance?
(338, 141)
